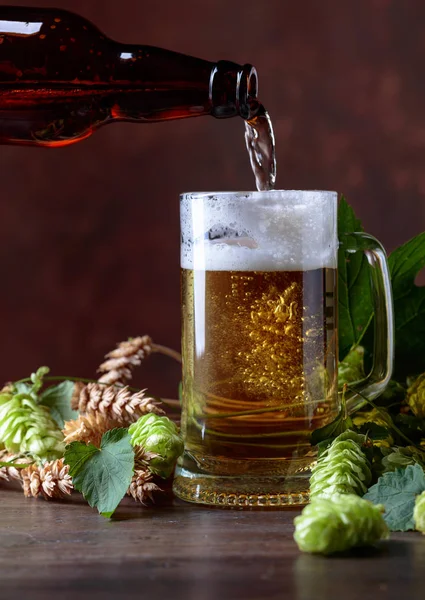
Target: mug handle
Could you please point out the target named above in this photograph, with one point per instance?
(383, 348)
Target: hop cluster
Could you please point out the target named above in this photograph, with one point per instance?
(118, 404)
(342, 469)
(27, 427)
(50, 480)
(419, 513)
(160, 436)
(416, 396)
(121, 361)
(142, 487)
(336, 524)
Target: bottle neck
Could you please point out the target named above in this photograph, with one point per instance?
(233, 90)
(175, 86)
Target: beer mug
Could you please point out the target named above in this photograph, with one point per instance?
(260, 341)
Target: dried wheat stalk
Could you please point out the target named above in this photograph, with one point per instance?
(117, 369)
(50, 480)
(118, 404)
(142, 487)
(120, 362)
(88, 428)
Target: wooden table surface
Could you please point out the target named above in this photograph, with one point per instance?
(176, 551)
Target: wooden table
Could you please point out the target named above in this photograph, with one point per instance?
(65, 550)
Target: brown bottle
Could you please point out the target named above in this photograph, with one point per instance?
(61, 79)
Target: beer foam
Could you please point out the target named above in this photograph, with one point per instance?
(278, 230)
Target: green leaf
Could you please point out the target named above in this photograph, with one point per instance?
(374, 431)
(397, 492)
(409, 307)
(355, 309)
(58, 399)
(332, 430)
(412, 427)
(103, 474)
(399, 457)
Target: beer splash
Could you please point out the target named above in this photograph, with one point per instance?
(260, 143)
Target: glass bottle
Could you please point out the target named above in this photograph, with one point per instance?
(61, 79)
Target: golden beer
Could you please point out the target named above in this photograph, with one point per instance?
(259, 356)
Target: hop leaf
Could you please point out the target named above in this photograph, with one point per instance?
(102, 475)
(398, 491)
(377, 421)
(58, 399)
(401, 457)
(416, 397)
(419, 513)
(26, 427)
(161, 436)
(334, 525)
(342, 468)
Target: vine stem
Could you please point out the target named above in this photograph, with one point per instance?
(14, 465)
(167, 351)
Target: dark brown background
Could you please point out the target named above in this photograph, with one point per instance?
(89, 234)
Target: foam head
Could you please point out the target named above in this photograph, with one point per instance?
(279, 230)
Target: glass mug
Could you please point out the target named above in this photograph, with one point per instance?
(260, 341)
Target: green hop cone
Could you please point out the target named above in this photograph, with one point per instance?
(416, 397)
(342, 468)
(419, 513)
(352, 367)
(26, 427)
(4, 397)
(336, 524)
(161, 436)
